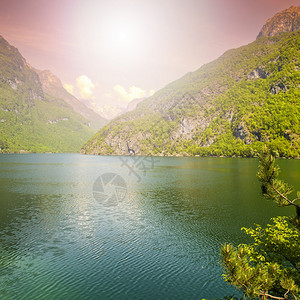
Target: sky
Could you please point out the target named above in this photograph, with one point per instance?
(112, 51)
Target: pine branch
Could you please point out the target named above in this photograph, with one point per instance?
(232, 271)
(273, 297)
(296, 199)
(283, 196)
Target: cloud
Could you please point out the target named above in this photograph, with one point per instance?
(69, 88)
(132, 93)
(85, 86)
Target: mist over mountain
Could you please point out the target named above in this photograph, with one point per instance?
(231, 106)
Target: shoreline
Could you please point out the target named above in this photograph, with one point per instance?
(173, 156)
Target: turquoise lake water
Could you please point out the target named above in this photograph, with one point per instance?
(96, 227)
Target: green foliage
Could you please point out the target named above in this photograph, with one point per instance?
(276, 189)
(43, 126)
(218, 100)
(29, 120)
(269, 267)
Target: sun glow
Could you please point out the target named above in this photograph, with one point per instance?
(124, 35)
(118, 33)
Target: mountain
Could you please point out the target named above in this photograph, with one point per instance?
(231, 106)
(133, 104)
(285, 21)
(106, 111)
(33, 117)
(52, 85)
(109, 112)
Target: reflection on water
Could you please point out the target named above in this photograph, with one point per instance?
(162, 241)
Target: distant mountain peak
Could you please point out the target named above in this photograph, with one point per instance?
(52, 85)
(49, 80)
(284, 21)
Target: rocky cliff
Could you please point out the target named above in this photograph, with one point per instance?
(284, 21)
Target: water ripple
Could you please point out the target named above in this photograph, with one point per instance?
(162, 242)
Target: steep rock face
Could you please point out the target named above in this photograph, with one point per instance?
(17, 73)
(52, 85)
(257, 73)
(285, 21)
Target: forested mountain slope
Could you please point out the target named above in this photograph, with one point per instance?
(30, 119)
(231, 106)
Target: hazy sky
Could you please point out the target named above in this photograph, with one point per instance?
(115, 50)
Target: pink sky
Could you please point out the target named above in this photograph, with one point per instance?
(112, 51)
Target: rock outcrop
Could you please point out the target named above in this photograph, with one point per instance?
(284, 21)
(258, 73)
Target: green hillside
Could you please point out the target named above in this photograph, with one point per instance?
(231, 106)
(31, 120)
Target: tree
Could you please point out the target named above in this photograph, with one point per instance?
(268, 268)
(276, 189)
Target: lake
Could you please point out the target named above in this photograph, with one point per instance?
(96, 227)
